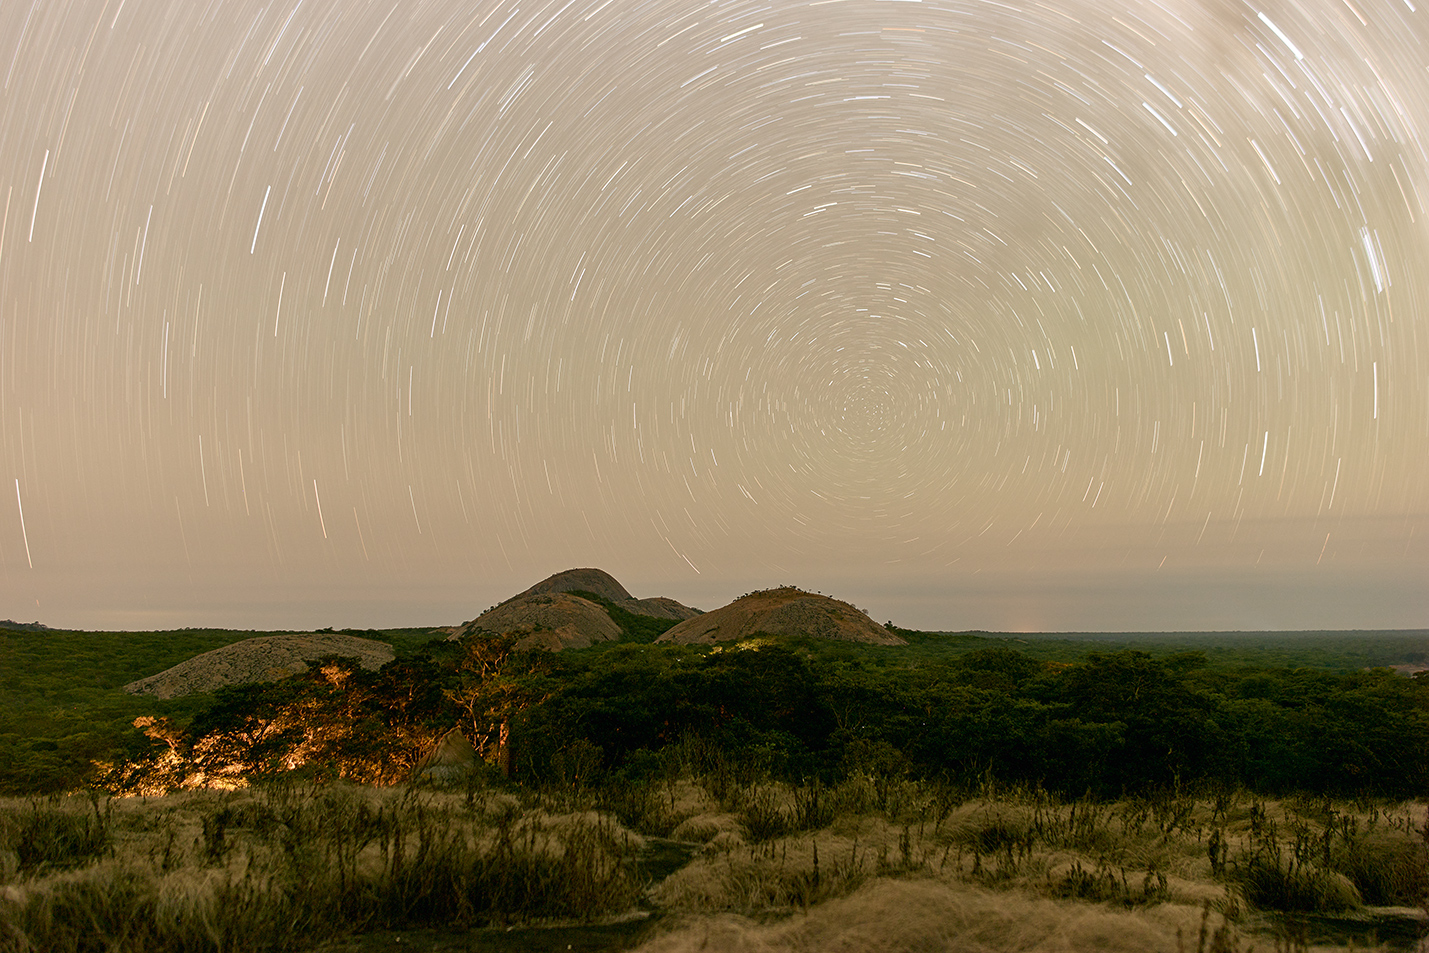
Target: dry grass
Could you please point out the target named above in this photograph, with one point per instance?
(268, 869)
(907, 915)
(866, 865)
(1018, 870)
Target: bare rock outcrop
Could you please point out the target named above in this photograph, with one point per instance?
(784, 611)
(550, 615)
(596, 581)
(262, 659)
(601, 583)
(549, 620)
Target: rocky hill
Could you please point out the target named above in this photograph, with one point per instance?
(263, 659)
(603, 584)
(549, 620)
(23, 626)
(784, 611)
(549, 614)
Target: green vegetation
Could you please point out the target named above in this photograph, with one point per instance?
(1110, 725)
(62, 704)
(636, 628)
(1040, 710)
(1336, 651)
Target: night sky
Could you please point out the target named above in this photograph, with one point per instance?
(1086, 314)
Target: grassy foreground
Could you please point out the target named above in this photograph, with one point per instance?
(867, 864)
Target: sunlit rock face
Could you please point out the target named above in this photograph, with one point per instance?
(784, 611)
(263, 659)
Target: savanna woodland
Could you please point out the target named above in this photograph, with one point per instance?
(965, 791)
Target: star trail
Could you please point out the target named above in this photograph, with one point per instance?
(1024, 315)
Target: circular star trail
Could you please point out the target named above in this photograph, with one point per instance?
(310, 306)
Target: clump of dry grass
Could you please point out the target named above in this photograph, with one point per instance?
(791, 874)
(924, 914)
(52, 833)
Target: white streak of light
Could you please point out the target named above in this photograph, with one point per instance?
(25, 535)
(202, 472)
(1284, 39)
(38, 185)
(359, 535)
(735, 35)
(329, 270)
(321, 522)
(140, 269)
(243, 482)
(1373, 259)
(5, 224)
(279, 313)
(261, 209)
(481, 47)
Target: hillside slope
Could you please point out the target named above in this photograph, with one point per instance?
(784, 611)
(264, 659)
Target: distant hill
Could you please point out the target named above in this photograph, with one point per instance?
(784, 611)
(551, 615)
(23, 626)
(264, 659)
(603, 584)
